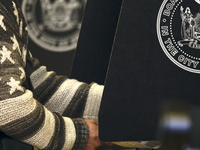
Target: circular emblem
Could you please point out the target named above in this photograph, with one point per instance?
(54, 24)
(178, 30)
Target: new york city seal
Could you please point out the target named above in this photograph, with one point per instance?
(178, 31)
(54, 24)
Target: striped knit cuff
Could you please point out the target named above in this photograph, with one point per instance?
(82, 134)
(93, 102)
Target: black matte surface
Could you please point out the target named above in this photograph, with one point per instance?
(96, 40)
(140, 77)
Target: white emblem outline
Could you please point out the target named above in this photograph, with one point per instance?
(45, 43)
(162, 44)
(198, 1)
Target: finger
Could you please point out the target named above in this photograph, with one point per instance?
(89, 147)
(96, 142)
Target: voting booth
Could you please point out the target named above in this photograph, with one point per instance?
(95, 40)
(154, 58)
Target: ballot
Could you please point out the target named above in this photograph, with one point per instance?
(155, 57)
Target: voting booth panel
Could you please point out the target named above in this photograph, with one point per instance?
(95, 40)
(155, 57)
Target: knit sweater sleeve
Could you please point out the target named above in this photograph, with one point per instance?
(68, 97)
(21, 115)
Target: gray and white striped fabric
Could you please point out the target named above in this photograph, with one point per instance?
(22, 115)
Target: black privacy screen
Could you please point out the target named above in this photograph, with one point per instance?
(95, 40)
(155, 57)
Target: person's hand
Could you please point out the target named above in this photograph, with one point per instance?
(93, 141)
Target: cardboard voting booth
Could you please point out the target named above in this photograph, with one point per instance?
(95, 41)
(155, 57)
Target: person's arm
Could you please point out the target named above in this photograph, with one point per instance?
(68, 97)
(21, 115)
